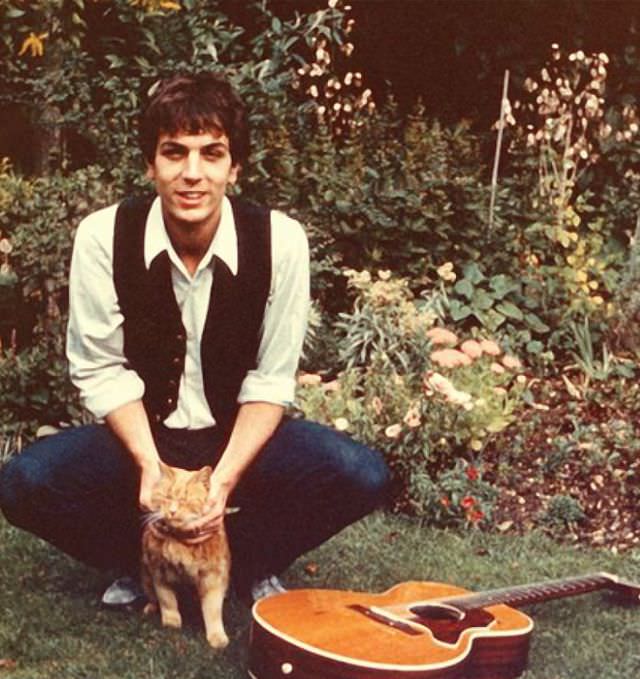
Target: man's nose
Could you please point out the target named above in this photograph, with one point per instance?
(192, 167)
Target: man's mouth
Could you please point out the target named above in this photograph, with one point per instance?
(190, 196)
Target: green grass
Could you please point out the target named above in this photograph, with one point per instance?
(52, 625)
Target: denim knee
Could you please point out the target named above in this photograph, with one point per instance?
(14, 486)
(372, 479)
(362, 470)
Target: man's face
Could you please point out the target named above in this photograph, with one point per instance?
(191, 173)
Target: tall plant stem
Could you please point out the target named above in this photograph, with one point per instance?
(635, 251)
(496, 160)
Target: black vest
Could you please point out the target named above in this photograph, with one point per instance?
(154, 336)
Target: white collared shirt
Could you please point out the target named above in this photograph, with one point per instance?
(95, 337)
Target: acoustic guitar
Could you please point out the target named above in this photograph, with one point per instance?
(415, 630)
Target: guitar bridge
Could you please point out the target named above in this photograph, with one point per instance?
(378, 616)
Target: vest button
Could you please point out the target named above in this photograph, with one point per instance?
(157, 417)
(170, 401)
(172, 384)
(177, 360)
(180, 337)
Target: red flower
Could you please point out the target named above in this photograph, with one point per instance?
(445, 501)
(472, 473)
(467, 502)
(475, 515)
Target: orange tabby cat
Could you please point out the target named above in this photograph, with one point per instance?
(168, 561)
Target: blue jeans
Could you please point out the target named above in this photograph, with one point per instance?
(79, 490)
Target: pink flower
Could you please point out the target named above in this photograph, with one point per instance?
(438, 382)
(443, 386)
(449, 358)
(393, 431)
(460, 398)
(442, 336)
(309, 379)
(490, 347)
(471, 348)
(497, 368)
(511, 362)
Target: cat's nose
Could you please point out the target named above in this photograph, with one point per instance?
(173, 509)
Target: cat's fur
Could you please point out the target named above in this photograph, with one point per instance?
(168, 561)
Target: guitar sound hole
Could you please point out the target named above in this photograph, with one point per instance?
(448, 628)
(437, 612)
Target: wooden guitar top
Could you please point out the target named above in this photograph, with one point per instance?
(344, 626)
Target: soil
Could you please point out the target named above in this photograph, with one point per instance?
(573, 463)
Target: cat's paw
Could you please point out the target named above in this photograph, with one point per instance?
(171, 619)
(218, 640)
(150, 609)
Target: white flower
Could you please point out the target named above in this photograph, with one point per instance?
(393, 431)
(341, 423)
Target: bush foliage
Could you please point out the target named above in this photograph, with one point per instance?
(400, 204)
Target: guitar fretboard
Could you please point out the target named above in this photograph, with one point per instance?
(530, 594)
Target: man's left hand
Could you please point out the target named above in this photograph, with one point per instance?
(215, 508)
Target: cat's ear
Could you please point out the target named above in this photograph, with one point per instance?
(204, 474)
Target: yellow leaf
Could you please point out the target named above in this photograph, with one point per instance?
(33, 43)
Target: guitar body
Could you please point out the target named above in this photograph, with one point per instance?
(328, 634)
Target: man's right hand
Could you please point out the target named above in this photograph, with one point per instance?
(149, 475)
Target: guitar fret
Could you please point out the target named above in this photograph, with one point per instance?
(529, 594)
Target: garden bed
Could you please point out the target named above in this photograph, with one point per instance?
(571, 466)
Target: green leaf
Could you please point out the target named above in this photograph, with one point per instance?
(14, 13)
(482, 300)
(535, 323)
(472, 272)
(534, 347)
(502, 285)
(459, 311)
(494, 319)
(464, 288)
(510, 310)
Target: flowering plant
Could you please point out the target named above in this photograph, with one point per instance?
(416, 392)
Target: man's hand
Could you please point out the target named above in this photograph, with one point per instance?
(149, 475)
(215, 508)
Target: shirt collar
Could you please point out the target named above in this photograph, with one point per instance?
(224, 244)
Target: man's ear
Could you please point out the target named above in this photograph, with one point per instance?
(233, 173)
(151, 171)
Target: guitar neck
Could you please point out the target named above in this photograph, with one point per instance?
(524, 595)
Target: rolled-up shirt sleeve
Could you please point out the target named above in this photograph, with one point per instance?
(97, 365)
(285, 320)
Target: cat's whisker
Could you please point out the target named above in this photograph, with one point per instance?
(150, 518)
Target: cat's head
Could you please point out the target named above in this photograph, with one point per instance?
(180, 496)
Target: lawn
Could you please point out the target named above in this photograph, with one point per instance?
(53, 626)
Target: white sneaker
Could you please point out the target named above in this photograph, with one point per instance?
(122, 592)
(266, 587)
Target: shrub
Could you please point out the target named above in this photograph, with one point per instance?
(37, 226)
(408, 392)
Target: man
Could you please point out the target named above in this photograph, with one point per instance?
(187, 317)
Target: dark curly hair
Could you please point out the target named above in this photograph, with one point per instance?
(194, 103)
